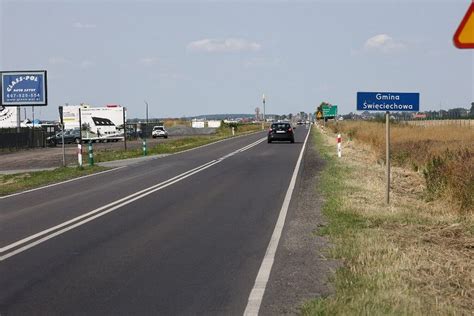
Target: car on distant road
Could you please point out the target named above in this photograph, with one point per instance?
(159, 131)
(281, 131)
(71, 136)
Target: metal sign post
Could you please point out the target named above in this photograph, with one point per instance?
(387, 155)
(386, 101)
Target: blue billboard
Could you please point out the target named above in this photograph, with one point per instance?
(20, 88)
(388, 101)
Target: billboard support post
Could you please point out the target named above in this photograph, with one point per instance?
(18, 121)
(80, 126)
(33, 124)
(61, 120)
(62, 143)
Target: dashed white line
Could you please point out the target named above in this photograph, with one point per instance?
(32, 241)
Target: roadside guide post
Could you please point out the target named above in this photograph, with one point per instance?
(79, 154)
(386, 101)
(144, 146)
(339, 149)
(233, 131)
(91, 154)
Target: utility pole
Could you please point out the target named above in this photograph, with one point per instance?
(264, 119)
(146, 129)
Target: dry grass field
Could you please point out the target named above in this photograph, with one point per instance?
(412, 257)
(443, 154)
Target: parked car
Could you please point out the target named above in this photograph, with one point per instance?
(281, 131)
(159, 131)
(70, 136)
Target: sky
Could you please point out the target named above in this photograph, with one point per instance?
(187, 58)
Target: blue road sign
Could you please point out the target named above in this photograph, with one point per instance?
(388, 101)
(21, 88)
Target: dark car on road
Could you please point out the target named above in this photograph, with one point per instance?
(281, 131)
(70, 136)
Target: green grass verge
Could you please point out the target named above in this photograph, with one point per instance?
(23, 181)
(355, 293)
(173, 146)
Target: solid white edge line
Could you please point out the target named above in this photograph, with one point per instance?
(256, 294)
(59, 183)
(75, 219)
(62, 231)
(107, 208)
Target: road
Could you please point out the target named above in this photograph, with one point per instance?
(184, 234)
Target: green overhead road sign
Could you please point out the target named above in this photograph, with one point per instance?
(329, 111)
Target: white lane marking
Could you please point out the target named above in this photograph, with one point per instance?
(256, 295)
(117, 168)
(113, 208)
(59, 183)
(73, 223)
(25, 240)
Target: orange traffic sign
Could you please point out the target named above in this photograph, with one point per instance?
(464, 36)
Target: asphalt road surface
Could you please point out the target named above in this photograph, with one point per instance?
(184, 234)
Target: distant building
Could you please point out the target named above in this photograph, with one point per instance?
(419, 116)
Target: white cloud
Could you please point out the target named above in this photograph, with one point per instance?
(86, 64)
(262, 62)
(383, 43)
(148, 61)
(58, 60)
(80, 25)
(209, 45)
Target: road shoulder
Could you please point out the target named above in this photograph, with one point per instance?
(301, 270)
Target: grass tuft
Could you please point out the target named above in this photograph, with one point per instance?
(23, 181)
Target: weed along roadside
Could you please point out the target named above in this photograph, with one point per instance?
(411, 257)
(17, 182)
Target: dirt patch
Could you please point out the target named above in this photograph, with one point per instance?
(51, 157)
